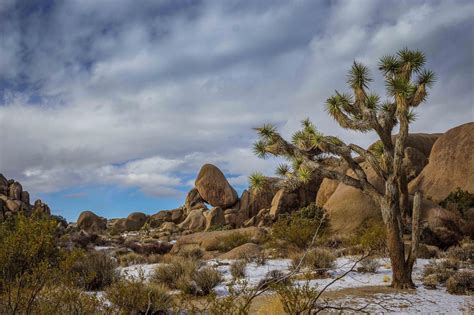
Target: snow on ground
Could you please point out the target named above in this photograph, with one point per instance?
(134, 271)
(422, 300)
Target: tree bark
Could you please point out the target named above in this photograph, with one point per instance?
(401, 275)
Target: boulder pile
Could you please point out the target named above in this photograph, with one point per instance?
(13, 199)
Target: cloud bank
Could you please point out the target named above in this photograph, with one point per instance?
(115, 93)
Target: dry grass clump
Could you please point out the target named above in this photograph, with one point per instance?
(131, 258)
(232, 241)
(194, 253)
(461, 282)
(206, 279)
(369, 265)
(318, 260)
(137, 297)
(95, 271)
(430, 281)
(274, 277)
(464, 252)
(237, 269)
(168, 274)
(437, 273)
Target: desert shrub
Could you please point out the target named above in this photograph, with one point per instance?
(370, 265)
(461, 282)
(273, 278)
(29, 261)
(298, 299)
(427, 252)
(194, 253)
(318, 260)
(169, 273)
(135, 296)
(459, 200)
(464, 252)
(298, 228)
(237, 269)
(372, 236)
(232, 241)
(206, 279)
(95, 271)
(64, 299)
(156, 247)
(131, 258)
(442, 270)
(430, 281)
(260, 259)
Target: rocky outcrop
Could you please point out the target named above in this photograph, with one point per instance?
(209, 241)
(214, 188)
(91, 222)
(195, 221)
(248, 250)
(194, 201)
(13, 200)
(451, 165)
(214, 218)
(283, 202)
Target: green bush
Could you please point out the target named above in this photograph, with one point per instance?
(443, 270)
(461, 282)
(134, 296)
(372, 237)
(29, 261)
(298, 228)
(95, 271)
(237, 269)
(459, 200)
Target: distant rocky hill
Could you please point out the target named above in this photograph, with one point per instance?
(13, 199)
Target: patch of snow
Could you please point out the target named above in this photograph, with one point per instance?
(102, 248)
(134, 271)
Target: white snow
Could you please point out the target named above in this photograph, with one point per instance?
(422, 300)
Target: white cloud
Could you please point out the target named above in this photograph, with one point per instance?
(135, 97)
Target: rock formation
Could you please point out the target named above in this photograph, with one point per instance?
(13, 199)
(214, 188)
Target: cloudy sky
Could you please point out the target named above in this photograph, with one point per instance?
(114, 105)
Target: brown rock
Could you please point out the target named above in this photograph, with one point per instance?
(14, 191)
(25, 197)
(214, 217)
(159, 218)
(261, 199)
(3, 185)
(41, 207)
(194, 221)
(328, 187)
(89, 221)
(177, 215)
(194, 201)
(13, 205)
(168, 226)
(135, 221)
(348, 208)
(283, 202)
(214, 187)
(451, 165)
(209, 241)
(247, 250)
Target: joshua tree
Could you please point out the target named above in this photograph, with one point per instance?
(309, 150)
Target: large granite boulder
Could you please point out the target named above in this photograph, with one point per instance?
(135, 221)
(195, 221)
(214, 187)
(91, 222)
(40, 207)
(451, 165)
